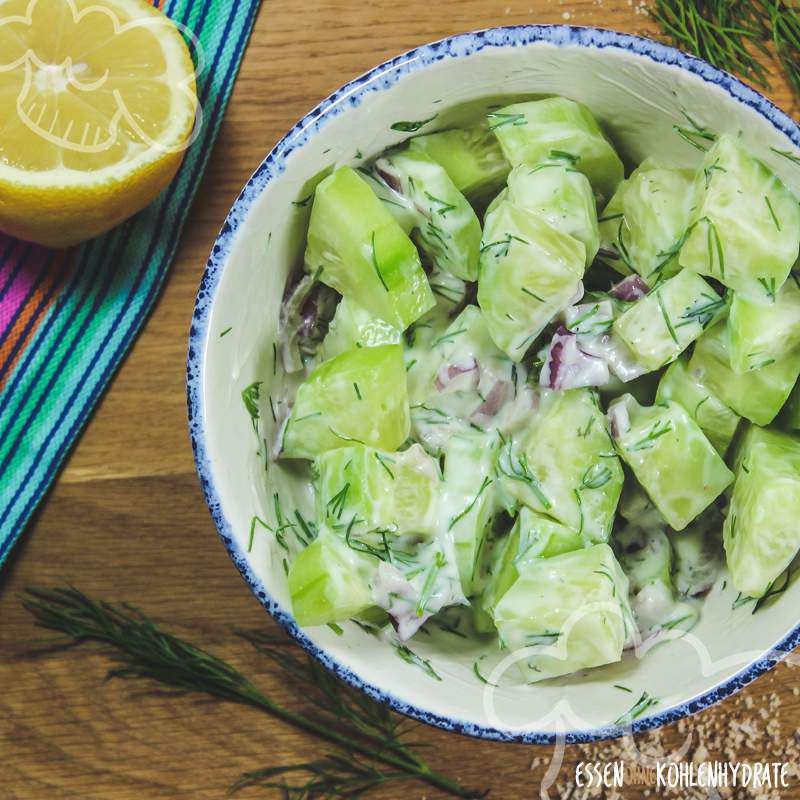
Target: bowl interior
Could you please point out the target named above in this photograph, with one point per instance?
(638, 93)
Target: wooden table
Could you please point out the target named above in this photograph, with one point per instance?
(126, 519)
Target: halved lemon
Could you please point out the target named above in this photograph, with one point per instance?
(97, 107)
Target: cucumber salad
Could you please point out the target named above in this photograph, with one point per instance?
(538, 401)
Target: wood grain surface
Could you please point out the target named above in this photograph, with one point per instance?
(126, 519)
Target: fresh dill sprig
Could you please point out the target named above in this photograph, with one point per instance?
(723, 32)
(784, 25)
(369, 744)
(736, 35)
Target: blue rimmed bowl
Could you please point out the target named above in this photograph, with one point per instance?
(639, 90)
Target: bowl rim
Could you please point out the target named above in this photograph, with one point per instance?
(380, 78)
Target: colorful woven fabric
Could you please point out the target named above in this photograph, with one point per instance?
(67, 318)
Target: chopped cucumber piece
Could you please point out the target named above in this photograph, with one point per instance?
(646, 558)
(533, 536)
(448, 231)
(757, 395)
(529, 271)
(642, 227)
(562, 196)
(660, 326)
(358, 397)
(363, 252)
(761, 334)
(569, 612)
(697, 555)
(745, 229)
(565, 465)
(557, 129)
(329, 582)
(761, 533)
(398, 493)
(469, 496)
(670, 457)
(352, 327)
(472, 157)
(715, 419)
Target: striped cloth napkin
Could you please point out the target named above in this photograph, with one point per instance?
(67, 318)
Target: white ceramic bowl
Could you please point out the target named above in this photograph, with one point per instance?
(638, 89)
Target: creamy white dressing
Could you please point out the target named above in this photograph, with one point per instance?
(413, 591)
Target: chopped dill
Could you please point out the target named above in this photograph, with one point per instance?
(787, 155)
(644, 702)
(691, 134)
(773, 590)
(375, 264)
(708, 172)
(772, 212)
(312, 415)
(250, 398)
(225, 332)
(412, 127)
(659, 429)
(519, 471)
(665, 315)
(337, 503)
(344, 437)
(532, 294)
(703, 312)
(430, 582)
(486, 483)
(584, 432)
(480, 677)
(596, 476)
(381, 459)
(503, 245)
(579, 501)
(357, 390)
(337, 629)
(448, 337)
(505, 119)
(622, 688)
(444, 207)
(410, 657)
(256, 520)
(769, 287)
(562, 155)
(714, 244)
